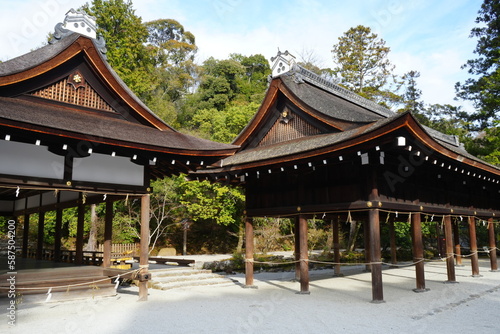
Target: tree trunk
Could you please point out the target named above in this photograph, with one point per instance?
(92, 243)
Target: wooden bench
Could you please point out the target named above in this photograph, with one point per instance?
(164, 260)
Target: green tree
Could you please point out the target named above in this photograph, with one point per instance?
(224, 125)
(174, 51)
(412, 95)
(484, 89)
(362, 65)
(126, 38)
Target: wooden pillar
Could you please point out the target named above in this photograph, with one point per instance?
(39, 243)
(336, 247)
(392, 236)
(374, 233)
(57, 235)
(418, 251)
(108, 234)
(144, 255)
(297, 248)
(249, 250)
(493, 245)
(79, 231)
(456, 241)
(304, 256)
(366, 237)
(450, 262)
(473, 247)
(375, 256)
(26, 234)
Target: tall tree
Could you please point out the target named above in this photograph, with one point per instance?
(174, 51)
(125, 37)
(484, 89)
(363, 66)
(411, 97)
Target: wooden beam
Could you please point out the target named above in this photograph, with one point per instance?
(473, 247)
(144, 252)
(79, 231)
(418, 251)
(108, 234)
(450, 262)
(493, 245)
(249, 250)
(304, 256)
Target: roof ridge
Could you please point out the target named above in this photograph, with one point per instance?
(302, 74)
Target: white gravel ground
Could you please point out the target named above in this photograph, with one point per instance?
(335, 305)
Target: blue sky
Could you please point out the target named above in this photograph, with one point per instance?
(428, 36)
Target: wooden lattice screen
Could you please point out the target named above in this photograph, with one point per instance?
(83, 95)
(288, 128)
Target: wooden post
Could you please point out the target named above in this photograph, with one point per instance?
(374, 233)
(336, 247)
(57, 236)
(108, 234)
(144, 255)
(450, 262)
(304, 256)
(473, 247)
(375, 256)
(79, 231)
(26, 230)
(456, 241)
(39, 243)
(418, 251)
(366, 240)
(297, 248)
(249, 250)
(392, 236)
(493, 245)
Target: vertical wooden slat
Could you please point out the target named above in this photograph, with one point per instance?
(473, 247)
(456, 241)
(392, 236)
(493, 245)
(450, 262)
(79, 231)
(144, 253)
(336, 246)
(304, 256)
(108, 234)
(297, 248)
(374, 236)
(418, 251)
(249, 250)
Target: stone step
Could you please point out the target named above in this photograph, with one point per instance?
(179, 278)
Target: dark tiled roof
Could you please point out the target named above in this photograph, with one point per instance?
(96, 125)
(329, 104)
(36, 57)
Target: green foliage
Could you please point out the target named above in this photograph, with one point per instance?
(484, 89)
(362, 65)
(125, 37)
(224, 125)
(204, 201)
